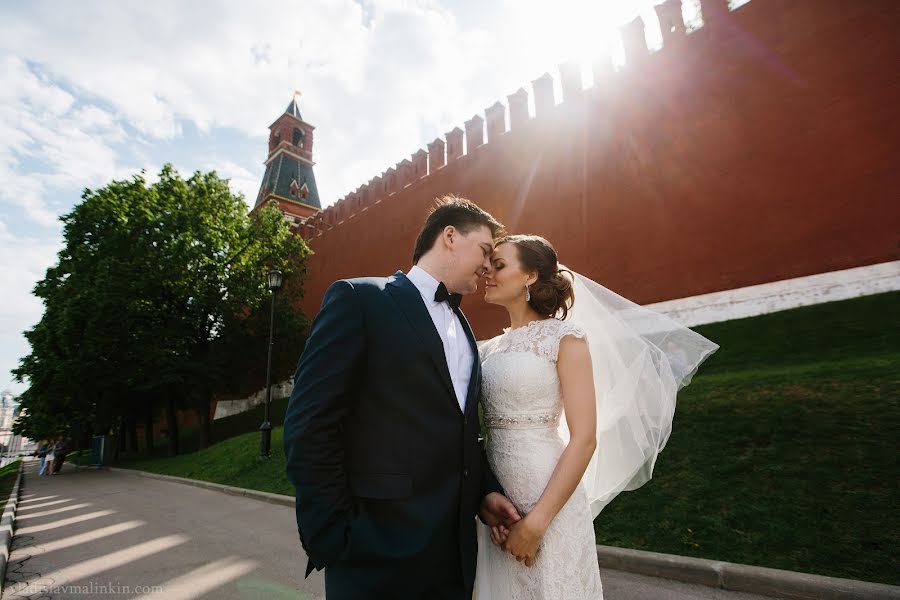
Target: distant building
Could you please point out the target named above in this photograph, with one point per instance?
(10, 444)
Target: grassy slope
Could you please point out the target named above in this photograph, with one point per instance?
(784, 452)
(234, 461)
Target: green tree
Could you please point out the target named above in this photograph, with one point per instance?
(154, 283)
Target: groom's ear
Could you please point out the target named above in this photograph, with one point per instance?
(449, 235)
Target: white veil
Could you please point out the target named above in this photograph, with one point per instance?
(641, 359)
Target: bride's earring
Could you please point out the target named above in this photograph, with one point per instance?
(527, 294)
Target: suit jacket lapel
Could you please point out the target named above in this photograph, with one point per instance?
(408, 298)
(475, 378)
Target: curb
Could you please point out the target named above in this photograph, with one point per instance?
(218, 487)
(729, 576)
(743, 578)
(8, 524)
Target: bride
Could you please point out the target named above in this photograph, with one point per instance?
(579, 396)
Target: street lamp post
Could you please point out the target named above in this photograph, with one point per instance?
(265, 430)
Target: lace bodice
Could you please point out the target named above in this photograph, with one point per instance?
(522, 407)
(521, 387)
(540, 337)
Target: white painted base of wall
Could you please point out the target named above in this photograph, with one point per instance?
(781, 295)
(226, 408)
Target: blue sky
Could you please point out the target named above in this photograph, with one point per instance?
(92, 91)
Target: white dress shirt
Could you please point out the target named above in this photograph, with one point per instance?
(456, 345)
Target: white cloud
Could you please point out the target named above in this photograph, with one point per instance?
(68, 143)
(23, 262)
(160, 63)
(241, 179)
(377, 83)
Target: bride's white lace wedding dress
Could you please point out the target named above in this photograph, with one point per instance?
(522, 407)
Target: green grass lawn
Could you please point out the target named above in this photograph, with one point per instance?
(234, 462)
(8, 476)
(783, 454)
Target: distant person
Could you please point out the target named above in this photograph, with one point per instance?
(59, 454)
(42, 451)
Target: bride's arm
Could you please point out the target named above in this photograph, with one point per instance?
(578, 398)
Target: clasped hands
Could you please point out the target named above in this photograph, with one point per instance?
(520, 536)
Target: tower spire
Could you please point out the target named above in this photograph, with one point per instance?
(293, 108)
(289, 177)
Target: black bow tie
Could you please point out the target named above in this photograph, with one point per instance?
(442, 295)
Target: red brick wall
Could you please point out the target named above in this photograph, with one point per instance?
(762, 147)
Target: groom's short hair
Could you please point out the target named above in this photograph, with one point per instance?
(461, 213)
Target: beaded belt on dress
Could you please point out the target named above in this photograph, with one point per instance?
(496, 421)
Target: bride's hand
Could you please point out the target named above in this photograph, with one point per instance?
(523, 540)
(499, 534)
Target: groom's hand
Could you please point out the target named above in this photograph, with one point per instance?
(497, 510)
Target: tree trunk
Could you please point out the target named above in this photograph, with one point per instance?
(148, 428)
(120, 442)
(172, 420)
(132, 434)
(205, 421)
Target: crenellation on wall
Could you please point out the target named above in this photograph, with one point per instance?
(376, 189)
(365, 196)
(340, 211)
(474, 133)
(404, 173)
(391, 184)
(328, 216)
(634, 41)
(518, 109)
(496, 121)
(318, 223)
(544, 100)
(436, 158)
(454, 144)
(570, 80)
(419, 164)
(671, 22)
(713, 11)
(604, 73)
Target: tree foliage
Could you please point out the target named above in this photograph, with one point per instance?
(158, 300)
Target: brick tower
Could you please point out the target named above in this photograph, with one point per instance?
(289, 178)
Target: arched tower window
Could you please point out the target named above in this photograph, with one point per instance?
(298, 137)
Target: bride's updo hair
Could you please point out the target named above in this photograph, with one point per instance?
(552, 294)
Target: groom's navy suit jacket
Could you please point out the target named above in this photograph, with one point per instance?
(388, 469)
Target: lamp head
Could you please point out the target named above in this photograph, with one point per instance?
(275, 279)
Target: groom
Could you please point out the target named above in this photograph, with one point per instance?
(381, 434)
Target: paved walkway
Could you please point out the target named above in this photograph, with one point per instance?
(82, 530)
